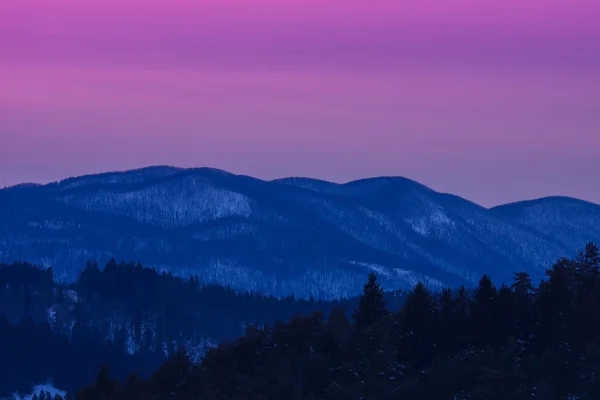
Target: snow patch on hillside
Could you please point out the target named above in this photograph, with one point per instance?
(379, 270)
(405, 279)
(226, 232)
(51, 225)
(386, 223)
(437, 220)
(190, 200)
(39, 389)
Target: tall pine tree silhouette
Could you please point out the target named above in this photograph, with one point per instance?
(420, 326)
(372, 306)
(483, 313)
(587, 270)
(555, 302)
(587, 283)
(524, 309)
(366, 344)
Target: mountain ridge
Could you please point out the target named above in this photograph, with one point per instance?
(284, 180)
(290, 235)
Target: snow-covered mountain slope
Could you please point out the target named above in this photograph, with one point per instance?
(294, 235)
(571, 221)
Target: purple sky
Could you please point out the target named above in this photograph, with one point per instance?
(495, 101)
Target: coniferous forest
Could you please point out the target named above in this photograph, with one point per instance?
(525, 340)
(123, 315)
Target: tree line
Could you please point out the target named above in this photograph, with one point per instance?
(123, 314)
(518, 341)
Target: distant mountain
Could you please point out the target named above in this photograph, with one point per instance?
(570, 221)
(293, 235)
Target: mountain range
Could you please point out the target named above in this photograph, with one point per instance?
(292, 235)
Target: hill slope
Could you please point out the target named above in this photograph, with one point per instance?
(294, 235)
(570, 221)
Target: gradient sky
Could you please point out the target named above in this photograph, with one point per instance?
(495, 101)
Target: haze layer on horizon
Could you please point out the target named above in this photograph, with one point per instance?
(495, 101)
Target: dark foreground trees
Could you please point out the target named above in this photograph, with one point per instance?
(517, 342)
(124, 315)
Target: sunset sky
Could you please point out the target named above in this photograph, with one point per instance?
(495, 101)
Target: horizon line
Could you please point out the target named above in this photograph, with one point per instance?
(202, 167)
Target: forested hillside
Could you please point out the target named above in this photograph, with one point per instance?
(124, 315)
(300, 236)
(523, 341)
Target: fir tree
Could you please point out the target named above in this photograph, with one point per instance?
(462, 315)
(524, 310)
(522, 285)
(447, 341)
(420, 326)
(556, 298)
(483, 313)
(372, 305)
(587, 269)
(505, 318)
(170, 376)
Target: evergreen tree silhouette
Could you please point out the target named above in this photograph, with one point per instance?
(365, 345)
(483, 313)
(462, 316)
(587, 270)
(555, 305)
(524, 310)
(446, 307)
(505, 317)
(170, 376)
(420, 326)
(372, 306)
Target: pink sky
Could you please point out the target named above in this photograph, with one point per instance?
(492, 100)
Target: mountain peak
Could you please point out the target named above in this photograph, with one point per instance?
(113, 177)
(545, 200)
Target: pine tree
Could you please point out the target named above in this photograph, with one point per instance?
(447, 341)
(587, 270)
(461, 320)
(524, 310)
(104, 387)
(420, 327)
(372, 305)
(365, 344)
(483, 313)
(506, 316)
(556, 298)
(170, 376)
(590, 256)
(522, 285)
